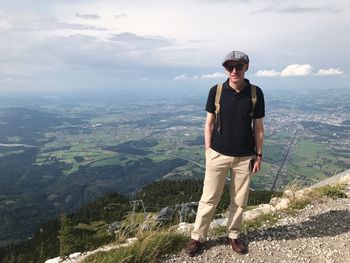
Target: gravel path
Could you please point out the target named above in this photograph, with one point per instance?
(318, 233)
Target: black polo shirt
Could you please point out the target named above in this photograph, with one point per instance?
(236, 136)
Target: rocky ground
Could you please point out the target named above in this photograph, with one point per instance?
(318, 233)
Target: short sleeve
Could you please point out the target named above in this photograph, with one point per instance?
(210, 106)
(259, 110)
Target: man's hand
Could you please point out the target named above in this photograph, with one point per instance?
(257, 165)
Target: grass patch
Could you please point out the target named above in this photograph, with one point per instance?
(294, 185)
(298, 204)
(332, 191)
(316, 195)
(149, 248)
(139, 218)
(218, 231)
(261, 220)
(262, 197)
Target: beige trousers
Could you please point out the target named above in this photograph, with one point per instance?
(217, 168)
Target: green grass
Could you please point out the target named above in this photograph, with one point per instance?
(218, 231)
(332, 191)
(312, 162)
(95, 225)
(139, 218)
(263, 219)
(316, 195)
(298, 204)
(149, 248)
(96, 157)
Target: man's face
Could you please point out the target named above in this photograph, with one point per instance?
(235, 71)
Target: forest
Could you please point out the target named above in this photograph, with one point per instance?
(88, 227)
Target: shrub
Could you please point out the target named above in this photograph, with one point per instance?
(148, 249)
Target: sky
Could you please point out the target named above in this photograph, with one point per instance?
(97, 45)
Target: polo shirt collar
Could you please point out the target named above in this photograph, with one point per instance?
(227, 86)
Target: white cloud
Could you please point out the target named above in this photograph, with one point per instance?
(67, 39)
(180, 77)
(330, 72)
(215, 75)
(297, 70)
(75, 26)
(268, 73)
(120, 16)
(87, 16)
(134, 41)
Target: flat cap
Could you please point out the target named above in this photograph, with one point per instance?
(236, 56)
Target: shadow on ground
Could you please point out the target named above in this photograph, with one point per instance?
(331, 223)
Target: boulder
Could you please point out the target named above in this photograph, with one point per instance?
(302, 193)
(289, 194)
(345, 179)
(185, 227)
(261, 209)
(280, 203)
(74, 255)
(54, 260)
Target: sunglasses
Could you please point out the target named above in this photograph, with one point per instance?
(238, 67)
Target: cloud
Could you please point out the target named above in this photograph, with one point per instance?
(181, 77)
(68, 40)
(118, 16)
(290, 71)
(297, 70)
(79, 27)
(21, 22)
(87, 16)
(330, 72)
(268, 73)
(142, 42)
(215, 75)
(298, 9)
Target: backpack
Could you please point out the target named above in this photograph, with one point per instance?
(217, 103)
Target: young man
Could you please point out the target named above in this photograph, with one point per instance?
(233, 142)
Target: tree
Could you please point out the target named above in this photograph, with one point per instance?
(66, 236)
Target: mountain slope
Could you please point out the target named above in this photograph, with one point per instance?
(320, 232)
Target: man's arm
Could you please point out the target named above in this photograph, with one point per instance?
(259, 140)
(208, 129)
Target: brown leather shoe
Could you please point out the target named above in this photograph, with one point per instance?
(237, 246)
(192, 247)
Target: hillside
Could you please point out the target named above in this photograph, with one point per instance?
(84, 229)
(87, 228)
(304, 226)
(320, 232)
